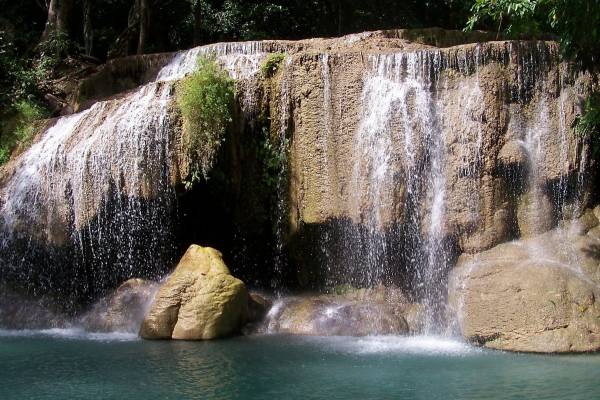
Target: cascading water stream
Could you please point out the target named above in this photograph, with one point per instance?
(400, 86)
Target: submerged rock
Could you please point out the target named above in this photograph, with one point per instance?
(200, 300)
(533, 295)
(123, 310)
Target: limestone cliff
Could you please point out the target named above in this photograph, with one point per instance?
(402, 149)
(461, 148)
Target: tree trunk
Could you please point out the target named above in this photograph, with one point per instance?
(198, 22)
(340, 18)
(59, 12)
(144, 25)
(88, 31)
(121, 47)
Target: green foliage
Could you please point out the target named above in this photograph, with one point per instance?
(205, 99)
(513, 17)
(271, 63)
(576, 22)
(273, 157)
(588, 124)
(56, 47)
(294, 19)
(4, 154)
(18, 80)
(343, 289)
(20, 127)
(28, 113)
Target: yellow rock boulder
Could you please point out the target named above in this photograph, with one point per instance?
(200, 300)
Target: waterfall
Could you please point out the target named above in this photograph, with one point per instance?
(93, 199)
(390, 167)
(422, 186)
(401, 86)
(284, 110)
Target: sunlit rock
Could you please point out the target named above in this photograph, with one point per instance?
(200, 300)
(535, 295)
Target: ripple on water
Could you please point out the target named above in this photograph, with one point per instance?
(70, 333)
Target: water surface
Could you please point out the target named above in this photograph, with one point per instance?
(71, 364)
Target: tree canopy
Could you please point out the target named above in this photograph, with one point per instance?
(37, 36)
(576, 23)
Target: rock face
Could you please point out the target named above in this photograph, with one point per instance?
(123, 310)
(200, 300)
(358, 313)
(535, 295)
(464, 145)
(400, 150)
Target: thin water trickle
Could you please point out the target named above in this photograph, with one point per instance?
(282, 148)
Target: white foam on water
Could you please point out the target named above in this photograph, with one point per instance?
(398, 345)
(70, 333)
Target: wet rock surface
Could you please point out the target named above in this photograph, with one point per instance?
(360, 312)
(533, 295)
(19, 311)
(123, 310)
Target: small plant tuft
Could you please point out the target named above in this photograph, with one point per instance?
(205, 99)
(271, 63)
(588, 124)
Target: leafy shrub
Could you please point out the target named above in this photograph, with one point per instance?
(55, 48)
(205, 99)
(270, 64)
(514, 17)
(589, 122)
(4, 154)
(28, 113)
(574, 21)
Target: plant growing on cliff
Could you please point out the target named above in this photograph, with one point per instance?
(20, 127)
(588, 124)
(271, 63)
(274, 158)
(205, 99)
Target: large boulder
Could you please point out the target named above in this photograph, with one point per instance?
(123, 310)
(200, 300)
(534, 295)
